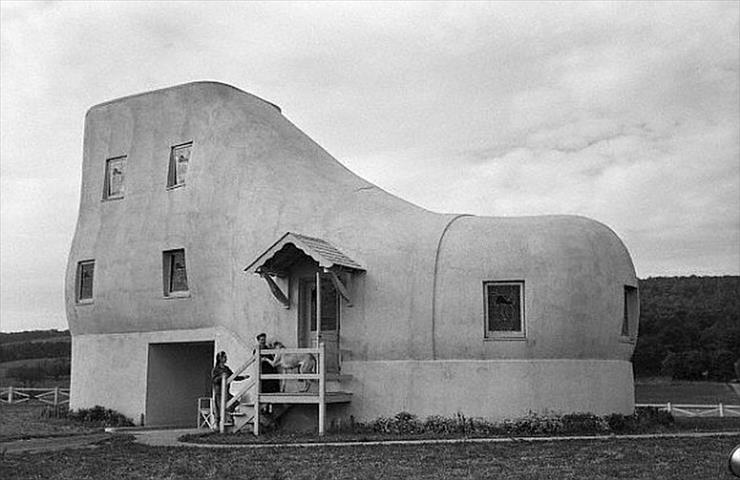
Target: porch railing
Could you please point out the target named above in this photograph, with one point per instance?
(696, 410)
(253, 386)
(50, 396)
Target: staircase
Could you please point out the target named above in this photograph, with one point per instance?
(243, 416)
(263, 410)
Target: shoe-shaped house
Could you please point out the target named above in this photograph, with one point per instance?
(207, 217)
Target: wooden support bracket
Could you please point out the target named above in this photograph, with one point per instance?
(275, 289)
(339, 286)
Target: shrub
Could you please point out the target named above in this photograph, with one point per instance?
(534, 424)
(648, 417)
(404, 423)
(100, 416)
(578, 423)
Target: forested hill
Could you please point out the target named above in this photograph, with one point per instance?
(689, 327)
(34, 344)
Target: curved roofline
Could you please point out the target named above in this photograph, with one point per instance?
(210, 82)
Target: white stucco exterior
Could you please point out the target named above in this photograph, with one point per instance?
(414, 338)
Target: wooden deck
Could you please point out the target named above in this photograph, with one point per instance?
(307, 397)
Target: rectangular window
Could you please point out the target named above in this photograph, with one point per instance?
(175, 273)
(115, 172)
(631, 306)
(179, 159)
(84, 283)
(504, 309)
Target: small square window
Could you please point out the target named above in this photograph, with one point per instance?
(178, 169)
(115, 172)
(631, 308)
(504, 309)
(84, 283)
(175, 273)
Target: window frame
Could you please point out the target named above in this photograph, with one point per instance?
(520, 334)
(168, 257)
(106, 181)
(172, 166)
(630, 313)
(78, 283)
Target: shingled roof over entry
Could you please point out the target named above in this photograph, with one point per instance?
(278, 259)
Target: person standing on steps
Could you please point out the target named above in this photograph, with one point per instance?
(218, 371)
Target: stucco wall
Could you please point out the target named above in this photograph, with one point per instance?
(574, 272)
(111, 369)
(253, 176)
(493, 389)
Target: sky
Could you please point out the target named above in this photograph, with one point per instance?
(627, 113)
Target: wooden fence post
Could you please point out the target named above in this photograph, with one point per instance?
(56, 396)
(257, 389)
(322, 387)
(222, 407)
(10, 395)
(721, 410)
(670, 409)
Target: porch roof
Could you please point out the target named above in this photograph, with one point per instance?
(278, 259)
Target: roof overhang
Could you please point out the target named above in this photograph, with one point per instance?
(291, 247)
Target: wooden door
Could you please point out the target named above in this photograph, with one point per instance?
(329, 318)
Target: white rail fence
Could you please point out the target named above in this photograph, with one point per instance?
(694, 410)
(50, 396)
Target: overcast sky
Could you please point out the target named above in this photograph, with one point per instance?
(625, 113)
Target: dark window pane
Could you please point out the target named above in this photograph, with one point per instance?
(178, 274)
(504, 308)
(630, 309)
(179, 160)
(115, 172)
(86, 280)
(329, 306)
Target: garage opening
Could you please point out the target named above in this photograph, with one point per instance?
(177, 375)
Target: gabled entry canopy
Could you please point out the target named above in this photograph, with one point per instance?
(277, 260)
(291, 247)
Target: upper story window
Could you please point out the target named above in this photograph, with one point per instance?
(175, 273)
(178, 169)
(115, 172)
(84, 281)
(631, 308)
(504, 309)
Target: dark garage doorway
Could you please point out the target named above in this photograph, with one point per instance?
(177, 374)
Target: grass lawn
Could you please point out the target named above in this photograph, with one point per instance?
(702, 393)
(24, 421)
(687, 458)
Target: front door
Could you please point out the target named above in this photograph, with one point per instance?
(307, 331)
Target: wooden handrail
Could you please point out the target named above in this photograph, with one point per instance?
(273, 351)
(290, 376)
(241, 392)
(239, 370)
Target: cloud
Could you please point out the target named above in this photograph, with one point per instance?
(624, 112)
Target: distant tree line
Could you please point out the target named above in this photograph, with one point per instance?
(33, 372)
(31, 335)
(35, 349)
(689, 328)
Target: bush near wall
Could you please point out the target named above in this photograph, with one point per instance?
(96, 416)
(404, 424)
